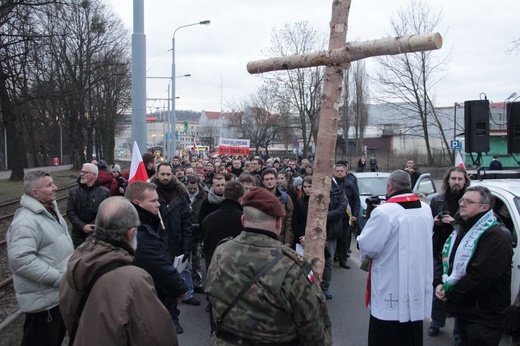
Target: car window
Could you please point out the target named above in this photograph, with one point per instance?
(426, 186)
(372, 186)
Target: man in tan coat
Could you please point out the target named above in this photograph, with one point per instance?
(122, 307)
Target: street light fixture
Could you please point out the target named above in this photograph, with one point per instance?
(172, 140)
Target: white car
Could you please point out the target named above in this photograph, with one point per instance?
(507, 193)
(374, 184)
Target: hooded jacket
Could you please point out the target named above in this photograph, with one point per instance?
(122, 308)
(38, 247)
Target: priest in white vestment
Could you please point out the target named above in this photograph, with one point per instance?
(398, 240)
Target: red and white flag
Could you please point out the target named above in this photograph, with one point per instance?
(194, 144)
(459, 162)
(137, 169)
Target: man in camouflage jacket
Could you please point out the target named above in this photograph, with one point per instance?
(285, 305)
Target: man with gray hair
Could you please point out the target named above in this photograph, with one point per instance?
(38, 247)
(474, 277)
(397, 240)
(122, 306)
(83, 203)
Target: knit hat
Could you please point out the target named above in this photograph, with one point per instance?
(102, 164)
(202, 172)
(263, 200)
(116, 168)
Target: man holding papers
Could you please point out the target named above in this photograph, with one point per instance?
(151, 253)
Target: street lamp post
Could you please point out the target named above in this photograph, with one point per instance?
(455, 105)
(172, 139)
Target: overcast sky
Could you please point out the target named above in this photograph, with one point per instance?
(476, 32)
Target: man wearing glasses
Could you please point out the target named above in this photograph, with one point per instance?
(479, 250)
(83, 203)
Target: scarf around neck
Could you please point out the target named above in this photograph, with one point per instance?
(464, 252)
(213, 198)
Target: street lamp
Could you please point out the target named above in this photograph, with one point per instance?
(173, 145)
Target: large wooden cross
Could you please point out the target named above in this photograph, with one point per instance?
(336, 59)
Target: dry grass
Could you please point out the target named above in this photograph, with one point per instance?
(14, 189)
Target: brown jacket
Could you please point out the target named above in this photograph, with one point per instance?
(122, 309)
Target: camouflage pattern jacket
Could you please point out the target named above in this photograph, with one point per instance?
(285, 304)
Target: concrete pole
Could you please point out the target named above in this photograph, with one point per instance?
(139, 77)
(173, 143)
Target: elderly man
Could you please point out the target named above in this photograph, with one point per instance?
(83, 203)
(479, 289)
(398, 240)
(262, 291)
(122, 306)
(38, 247)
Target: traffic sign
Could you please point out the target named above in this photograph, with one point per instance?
(455, 144)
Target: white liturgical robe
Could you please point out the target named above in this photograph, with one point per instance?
(399, 241)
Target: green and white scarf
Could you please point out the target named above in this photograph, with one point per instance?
(465, 250)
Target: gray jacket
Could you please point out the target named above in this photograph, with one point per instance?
(38, 248)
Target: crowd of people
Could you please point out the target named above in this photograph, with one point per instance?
(246, 218)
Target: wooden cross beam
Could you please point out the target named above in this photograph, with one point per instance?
(337, 58)
(352, 51)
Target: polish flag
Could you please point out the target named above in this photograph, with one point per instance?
(194, 144)
(137, 169)
(459, 162)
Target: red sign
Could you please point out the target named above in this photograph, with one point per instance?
(229, 150)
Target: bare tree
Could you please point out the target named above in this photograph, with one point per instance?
(89, 65)
(208, 134)
(514, 46)
(406, 81)
(359, 92)
(301, 88)
(257, 119)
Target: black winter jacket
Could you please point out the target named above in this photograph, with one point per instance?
(351, 191)
(82, 208)
(223, 223)
(337, 209)
(176, 215)
(485, 291)
(152, 256)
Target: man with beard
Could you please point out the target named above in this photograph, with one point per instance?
(149, 164)
(83, 203)
(444, 208)
(176, 214)
(151, 253)
(236, 167)
(122, 307)
(215, 197)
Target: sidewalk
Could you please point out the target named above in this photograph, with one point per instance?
(4, 175)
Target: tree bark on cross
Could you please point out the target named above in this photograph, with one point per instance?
(336, 59)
